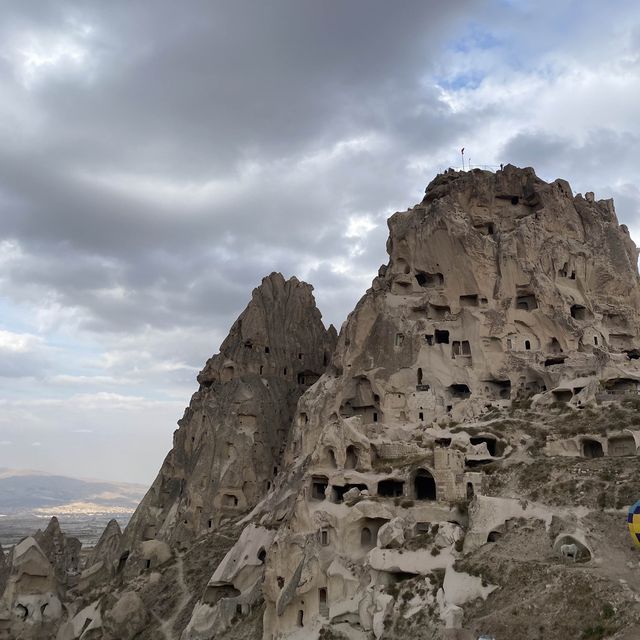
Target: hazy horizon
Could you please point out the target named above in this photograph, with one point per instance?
(20, 471)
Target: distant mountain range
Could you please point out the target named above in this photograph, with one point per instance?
(26, 491)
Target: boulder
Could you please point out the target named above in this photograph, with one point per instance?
(127, 618)
(352, 494)
(391, 534)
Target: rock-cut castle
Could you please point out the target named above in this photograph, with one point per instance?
(455, 464)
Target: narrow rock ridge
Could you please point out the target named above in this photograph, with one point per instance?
(62, 551)
(230, 441)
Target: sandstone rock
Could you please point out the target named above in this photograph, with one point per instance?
(30, 570)
(229, 446)
(107, 550)
(4, 571)
(351, 494)
(453, 616)
(499, 288)
(126, 618)
(62, 551)
(500, 342)
(95, 576)
(391, 535)
(86, 623)
(448, 534)
(102, 562)
(31, 594)
(460, 588)
(155, 553)
(382, 604)
(5, 621)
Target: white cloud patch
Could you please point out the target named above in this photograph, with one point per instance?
(23, 355)
(11, 342)
(359, 226)
(37, 54)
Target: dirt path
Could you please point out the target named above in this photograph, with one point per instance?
(166, 626)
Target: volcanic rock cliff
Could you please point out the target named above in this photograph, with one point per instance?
(459, 466)
(503, 329)
(229, 446)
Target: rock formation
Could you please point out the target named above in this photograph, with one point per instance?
(504, 297)
(62, 551)
(229, 446)
(31, 603)
(4, 570)
(108, 546)
(34, 580)
(458, 466)
(101, 563)
(227, 451)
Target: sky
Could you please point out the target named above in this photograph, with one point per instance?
(157, 159)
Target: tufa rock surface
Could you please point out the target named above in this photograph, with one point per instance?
(62, 551)
(4, 570)
(108, 546)
(31, 606)
(508, 309)
(230, 443)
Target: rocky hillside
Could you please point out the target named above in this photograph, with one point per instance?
(459, 467)
(231, 439)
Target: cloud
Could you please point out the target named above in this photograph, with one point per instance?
(131, 241)
(22, 355)
(155, 164)
(81, 403)
(17, 343)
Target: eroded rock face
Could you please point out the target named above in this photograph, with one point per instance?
(31, 606)
(229, 446)
(62, 551)
(126, 618)
(472, 440)
(102, 562)
(4, 571)
(499, 287)
(391, 534)
(501, 291)
(108, 546)
(234, 588)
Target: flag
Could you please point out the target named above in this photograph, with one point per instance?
(462, 150)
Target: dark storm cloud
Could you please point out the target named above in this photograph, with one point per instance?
(191, 92)
(195, 151)
(222, 82)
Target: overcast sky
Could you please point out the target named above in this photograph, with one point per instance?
(157, 159)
